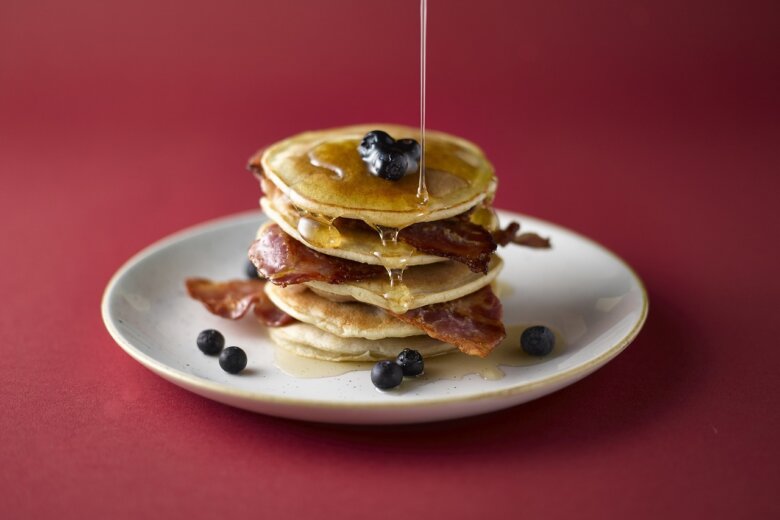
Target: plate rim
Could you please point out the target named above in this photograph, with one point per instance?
(208, 388)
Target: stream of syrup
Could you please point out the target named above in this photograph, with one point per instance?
(422, 188)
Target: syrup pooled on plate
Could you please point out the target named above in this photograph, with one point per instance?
(437, 368)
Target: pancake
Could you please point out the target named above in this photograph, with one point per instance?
(422, 285)
(346, 320)
(309, 341)
(322, 173)
(357, 245)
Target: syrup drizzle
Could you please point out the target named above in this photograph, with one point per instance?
(387, 234)
(422, 189)
(484, 215)
(335, 168)
(398, 295)
(318, 230)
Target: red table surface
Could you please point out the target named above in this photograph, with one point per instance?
(652, 127)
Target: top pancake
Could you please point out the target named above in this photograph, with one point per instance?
(322, 172)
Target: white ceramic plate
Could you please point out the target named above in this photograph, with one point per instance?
(591, 298)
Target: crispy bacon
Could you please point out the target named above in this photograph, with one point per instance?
(509, 234)
(455, 238)
(458, 239)
(285, 261)
(233, 299)
(471, 323)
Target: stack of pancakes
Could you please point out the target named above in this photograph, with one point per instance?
(325, 204)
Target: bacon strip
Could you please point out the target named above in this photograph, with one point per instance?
(233, 299)
(509, 234)
(471, 323)
(456, 238)
(285, 261)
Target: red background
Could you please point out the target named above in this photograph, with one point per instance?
(653, 127)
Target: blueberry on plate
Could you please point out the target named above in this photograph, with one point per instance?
(210, 342)
(386, 375)
(232, 360)
(537, 341)
(411, 362)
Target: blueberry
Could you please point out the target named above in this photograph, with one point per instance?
(537, 341)
(374, 139)
(410, 147)
(251, 271)
(232, 360)
(210, 342)
(386, 375)
(411, 362)
(389, 164)
(388, 158)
